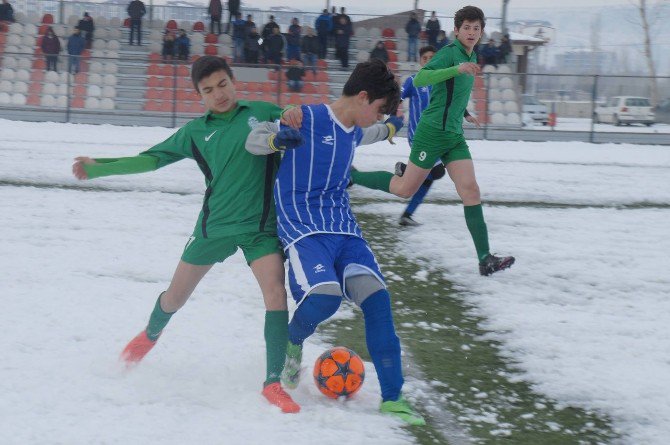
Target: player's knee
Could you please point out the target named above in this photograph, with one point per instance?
(469, 190)
(361, 287)
(323, 306)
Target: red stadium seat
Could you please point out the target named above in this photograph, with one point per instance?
(33, 99)
(197, 107)
(152, 105)
(184, 82)
(171, 25)
(152, 93)
(389, 44)
(183, 71)
(126, 22)
(154, 70)
(198, 27)
(321, 76)
(211, 50)
(269, 87)
(273, 75)
(182, 95)
(183, 107)
(80, 91)
(48, 19)
(154, 57)
(166, 95)
(167, 82)
(322, 63)
(393, 57)
(39, 64)
(2, 37)
(77, 102)
(37, 75)
(388, 32)
(322, 88)
(153, 82)
(211, 38)
(309, 88)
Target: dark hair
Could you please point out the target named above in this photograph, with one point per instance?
(205, 66)
(470, 13)
(375, 78)
(428, 48)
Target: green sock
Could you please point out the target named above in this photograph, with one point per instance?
(159, 318)
(373, 180)
(276, 338)
(474, 219)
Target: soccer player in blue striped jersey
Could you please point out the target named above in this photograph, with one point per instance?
(419, 97)
(328, 257)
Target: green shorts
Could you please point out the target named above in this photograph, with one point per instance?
(431, 144)
(254, 245)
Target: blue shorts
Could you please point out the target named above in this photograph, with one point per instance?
(326, 258)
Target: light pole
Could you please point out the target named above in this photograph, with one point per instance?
(503, 25)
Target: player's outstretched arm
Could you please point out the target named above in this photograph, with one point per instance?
(433, 77)
(268, 138)
(89, 168)
(380, 132)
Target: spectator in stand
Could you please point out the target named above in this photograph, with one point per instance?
(504, 50)
(6, 12)
(380, 52)
(136, 11)
(310, 49)
(215, 11)
(51, 48)
(293, 40)
(432, 29)
(87, 27)
(239, 36)
(267, 32)
(274, 47)
(251, 46)
(249, 24)
(442, 40)
(324, 26)
(233, 12)
(342, 36)
(347, 19)
(183, 44)
(168, 46)
(413, 28)
(294, 74)
(489, 54)
(75, 46)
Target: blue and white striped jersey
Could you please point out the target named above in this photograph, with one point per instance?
(419, 99)
(310, 189)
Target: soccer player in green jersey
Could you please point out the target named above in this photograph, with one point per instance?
(439, 134)
(238, 211)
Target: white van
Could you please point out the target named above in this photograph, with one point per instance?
(625, 110)
(534, 109)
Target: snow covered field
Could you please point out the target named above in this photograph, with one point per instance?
(585, 311)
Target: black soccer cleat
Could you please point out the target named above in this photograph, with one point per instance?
(400, 168)
(492, 264)
(407, 221)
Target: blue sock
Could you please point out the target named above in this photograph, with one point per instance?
(315, 309)
(417, 198)
(383, 343)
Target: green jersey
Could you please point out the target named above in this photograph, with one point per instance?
(238, 198)
(451, 90)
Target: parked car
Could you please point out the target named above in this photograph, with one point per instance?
(662, 111)
(625, 110)
(532, 107)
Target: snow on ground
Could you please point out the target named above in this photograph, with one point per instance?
(584, 311)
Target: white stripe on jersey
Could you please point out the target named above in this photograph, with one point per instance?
(298, 271)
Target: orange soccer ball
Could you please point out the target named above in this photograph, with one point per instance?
(339, 372)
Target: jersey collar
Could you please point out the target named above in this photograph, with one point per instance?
(229, 114)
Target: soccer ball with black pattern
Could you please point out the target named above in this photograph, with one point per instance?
(339, 372)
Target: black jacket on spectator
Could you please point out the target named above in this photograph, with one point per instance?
(310, 45)
(293, 36)
(86, 26)
(413, 28)
(6, 12)
(380, 52)
(136, 9)
(347, 27)
(267, 29)
(274, 44)
(432, 30)
(234, 6)
(215, 9)
(295, 73)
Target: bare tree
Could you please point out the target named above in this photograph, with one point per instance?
(648, 17)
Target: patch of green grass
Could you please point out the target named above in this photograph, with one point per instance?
(481, 389)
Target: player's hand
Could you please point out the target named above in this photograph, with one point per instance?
(394, 124)
(292, 117)
(78, 167)
(473, 120)
(287, 138)
(469, 68)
